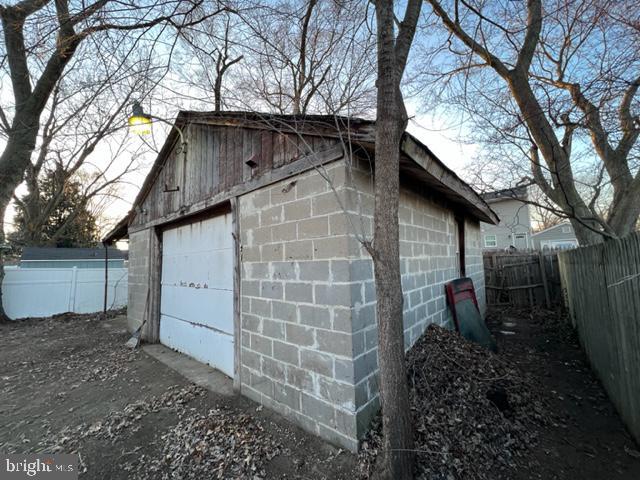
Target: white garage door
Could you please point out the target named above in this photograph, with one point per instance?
(196, 308)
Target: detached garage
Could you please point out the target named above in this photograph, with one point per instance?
(245, 253)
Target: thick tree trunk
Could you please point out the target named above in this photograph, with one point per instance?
(13, 162)
(3, 316)
(390, 124)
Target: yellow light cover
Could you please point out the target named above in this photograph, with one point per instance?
(140, 125)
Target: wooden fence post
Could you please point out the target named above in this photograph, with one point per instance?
(543, 275)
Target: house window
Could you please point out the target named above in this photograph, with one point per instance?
(490, 241)
(566, 229)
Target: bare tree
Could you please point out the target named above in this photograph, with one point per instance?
(391, 122)
(549, 89)
(305, 56)
(41, 38)
(82, 140)
(212, 49)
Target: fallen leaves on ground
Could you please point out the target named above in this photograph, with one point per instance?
(222, 444)
(474, 415)
(70, 439)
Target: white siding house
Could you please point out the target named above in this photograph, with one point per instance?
(559, 236)
(514, 229)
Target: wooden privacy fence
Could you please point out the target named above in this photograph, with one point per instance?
(522, 278)
(601, 284)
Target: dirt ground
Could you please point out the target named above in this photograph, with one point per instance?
(69, 384)
(586, 439)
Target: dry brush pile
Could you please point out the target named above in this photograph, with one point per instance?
(474, 415)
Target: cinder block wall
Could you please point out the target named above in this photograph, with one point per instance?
(139, 247)
(296, 292)
(309, 336)
(428, 260)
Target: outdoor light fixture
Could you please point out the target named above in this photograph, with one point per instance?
(139, 122)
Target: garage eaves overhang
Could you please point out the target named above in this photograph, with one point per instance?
(421, 163)
(418, 161)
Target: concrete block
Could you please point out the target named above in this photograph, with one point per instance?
(299, 292)
(251, 323)
(343, 370)
(340, 271)
(251, 253)
(260, 307)
(339, 394)
(284, 271)
(284, 232)
(297, 210)
(284, 311)
(251, 288)
(363, 317)
(371, 338)
(315, 227)
(273, 369)
(333, 247)
(365, 365)
(299, 378)
(259, 236)
(250, 359)
(272, 290)
(300, 335)
(341, 319)
(261, 344)
(341, 224)
(333, 295)
(337, 438)
(346, 424)
(271, 216)
(357, 343)
(299, 250)
(273, 329)
(283, 193)
(317, 409)
(325, 203)
(286, 352)
(287, 395)
(335, 342)
(361, 270)
(311, 185)
(316, 362)
(315, 270)
(272, 252)
(315, 316)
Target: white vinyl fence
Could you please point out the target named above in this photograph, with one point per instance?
(42, 292)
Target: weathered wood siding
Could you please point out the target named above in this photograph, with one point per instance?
(216, 162)
(602, 291)
(522, 278)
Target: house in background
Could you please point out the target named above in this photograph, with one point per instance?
(560, 236)
(514, 229)
(245, 254)
(51, 257)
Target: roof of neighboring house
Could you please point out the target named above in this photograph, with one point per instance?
(418, 161)
(52, 253)
(563, 224)
(515, 193)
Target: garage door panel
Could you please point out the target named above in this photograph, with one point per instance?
(196, 307)
(201, 343)
(208, 307)
(213, 269)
